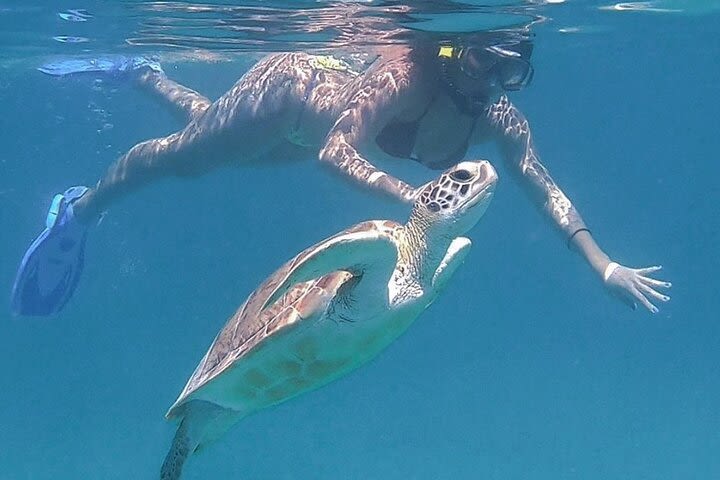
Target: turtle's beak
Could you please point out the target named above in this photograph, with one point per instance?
(483, 183)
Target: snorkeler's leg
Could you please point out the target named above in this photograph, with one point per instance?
(50, 269)
(184, 99)
(147, 72)
(631, 285)
(248, 121)
(142, 164)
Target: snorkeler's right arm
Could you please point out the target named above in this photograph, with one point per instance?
(631, 285)
(385, 93)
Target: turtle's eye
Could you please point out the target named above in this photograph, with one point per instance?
(433, 207)
(461, 175)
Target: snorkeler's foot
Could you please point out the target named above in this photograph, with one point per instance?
(112, 65)
(51, 266)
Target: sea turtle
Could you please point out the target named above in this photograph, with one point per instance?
(330, 309)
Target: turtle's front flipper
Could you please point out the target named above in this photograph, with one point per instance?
(456, 253)
(367, 245)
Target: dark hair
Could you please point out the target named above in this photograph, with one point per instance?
(426, 44)
(516, 41)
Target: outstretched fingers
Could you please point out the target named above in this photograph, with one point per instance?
(646, 270)
(644, 288)
(643, 299)
(651, 282)
(652, 292)
(648, 285)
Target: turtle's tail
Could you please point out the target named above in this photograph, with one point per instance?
(182, 447)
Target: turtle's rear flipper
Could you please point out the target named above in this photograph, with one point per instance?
(180, 450)
(202, 422)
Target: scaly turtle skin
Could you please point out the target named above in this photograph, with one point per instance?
(330, 309)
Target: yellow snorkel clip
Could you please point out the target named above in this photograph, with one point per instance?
(448, 51)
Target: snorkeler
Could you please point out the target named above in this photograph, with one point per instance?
(426, 102)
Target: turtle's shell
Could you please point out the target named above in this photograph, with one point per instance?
(253, 322)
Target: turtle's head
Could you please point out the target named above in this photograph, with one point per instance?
(454, 202)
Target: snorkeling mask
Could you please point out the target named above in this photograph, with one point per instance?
(500, 66)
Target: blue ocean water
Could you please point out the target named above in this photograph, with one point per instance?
(524, 369)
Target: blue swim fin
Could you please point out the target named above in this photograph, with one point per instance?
(113, 65)
(51, 267)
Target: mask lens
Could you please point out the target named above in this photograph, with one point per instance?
(475, 62)
(515, 74)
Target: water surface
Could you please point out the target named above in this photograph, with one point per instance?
(523, 369)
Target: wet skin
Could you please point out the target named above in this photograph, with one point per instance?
(292, 105)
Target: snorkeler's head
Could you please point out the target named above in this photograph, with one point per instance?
(486, 67)
(477, 68)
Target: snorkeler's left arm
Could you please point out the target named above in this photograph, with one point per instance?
(631, 285)
(386, 92)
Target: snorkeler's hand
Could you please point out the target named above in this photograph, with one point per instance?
(633, 285)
